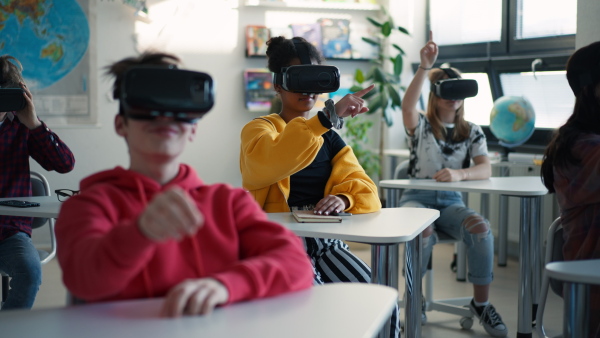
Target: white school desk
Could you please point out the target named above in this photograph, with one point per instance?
(315, 312)
(577, 277)
(383, 230)
(530, 190)
(49, 207)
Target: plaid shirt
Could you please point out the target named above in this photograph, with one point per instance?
(17, 143)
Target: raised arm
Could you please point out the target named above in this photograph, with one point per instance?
(410, 115)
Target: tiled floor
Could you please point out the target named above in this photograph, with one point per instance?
(503, 295)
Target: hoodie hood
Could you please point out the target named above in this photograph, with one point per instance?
(128, 180)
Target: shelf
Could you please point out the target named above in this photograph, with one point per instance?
(299, 4)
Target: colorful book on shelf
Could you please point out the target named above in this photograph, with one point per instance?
(335, 35)
(256, 40)
(258, 89)
(308, 216)
(310, 31)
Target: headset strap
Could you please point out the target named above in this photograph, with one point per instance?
(451, 73)
(302, 51)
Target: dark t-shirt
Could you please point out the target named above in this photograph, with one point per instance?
(308, 185)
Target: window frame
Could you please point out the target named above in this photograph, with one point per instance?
(508, 55)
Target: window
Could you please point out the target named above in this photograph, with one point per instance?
(548, 92)
(456, 22)
(499, 43)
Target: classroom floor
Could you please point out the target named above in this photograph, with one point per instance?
(503, 296)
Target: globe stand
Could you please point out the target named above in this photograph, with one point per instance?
(505, 152)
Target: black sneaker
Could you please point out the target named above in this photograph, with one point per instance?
(490, 319)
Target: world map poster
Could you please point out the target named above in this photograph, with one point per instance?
(52, 41)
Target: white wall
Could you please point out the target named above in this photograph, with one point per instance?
(215, 44)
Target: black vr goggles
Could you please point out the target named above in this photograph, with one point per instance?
(307, 78)
(11, 99)
(151, 91)
(454, 88)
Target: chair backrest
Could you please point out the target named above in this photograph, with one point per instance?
(554, 245)
(39, 187)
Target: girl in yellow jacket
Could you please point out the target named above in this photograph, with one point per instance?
(290, 161)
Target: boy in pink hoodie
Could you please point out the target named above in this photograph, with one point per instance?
(156, 230)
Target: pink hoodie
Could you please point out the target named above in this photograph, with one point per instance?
(104, 256)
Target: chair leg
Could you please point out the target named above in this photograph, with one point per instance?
(5, 280)
(541, 307)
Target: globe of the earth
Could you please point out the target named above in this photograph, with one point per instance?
(512, 120)
(48, 37)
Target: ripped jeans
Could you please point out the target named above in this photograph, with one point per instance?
(453, 214)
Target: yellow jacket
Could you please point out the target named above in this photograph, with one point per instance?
(272, 151)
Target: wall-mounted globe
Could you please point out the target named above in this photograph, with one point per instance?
(512, 120)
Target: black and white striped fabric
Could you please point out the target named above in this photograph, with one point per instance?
(333, 262)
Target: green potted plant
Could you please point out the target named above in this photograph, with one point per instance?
(384, 72)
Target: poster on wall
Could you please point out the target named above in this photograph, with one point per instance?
(258, 89)
(53, 42)
(256, 40)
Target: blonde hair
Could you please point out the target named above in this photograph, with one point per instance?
(461, 127)
(10, 72)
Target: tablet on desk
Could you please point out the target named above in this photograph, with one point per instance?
(19, 204)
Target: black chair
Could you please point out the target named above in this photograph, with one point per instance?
(39, 187)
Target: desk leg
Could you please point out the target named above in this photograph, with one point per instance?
(384, 271)
(576, 317)
(391, 198)
(529, 263)
(536, 253)
(503, 231)
(412, 307)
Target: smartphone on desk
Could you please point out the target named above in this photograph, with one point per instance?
(19, 204)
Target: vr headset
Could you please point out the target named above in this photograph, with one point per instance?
(151, 91)
(11, 99)
(307, 78)
(454, 88)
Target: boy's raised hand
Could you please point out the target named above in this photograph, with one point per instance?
(172, 214)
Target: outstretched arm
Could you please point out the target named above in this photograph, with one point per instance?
(410, 115)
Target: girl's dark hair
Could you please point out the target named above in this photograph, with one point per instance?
(10, 72)
(583, 74)
(281, 52)
(119, 68)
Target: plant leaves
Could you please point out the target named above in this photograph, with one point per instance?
(403, 30)
(394, 96)
(359, 76)
(371, 41)
(386, 29)
(399, 49)
(355, 88)
(398, 63)
(378, 75)
(388, 116)
(374, 103)
(374, 22)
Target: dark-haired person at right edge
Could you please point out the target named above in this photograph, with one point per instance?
(442, 145)
(571, 168)
(23, 135)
